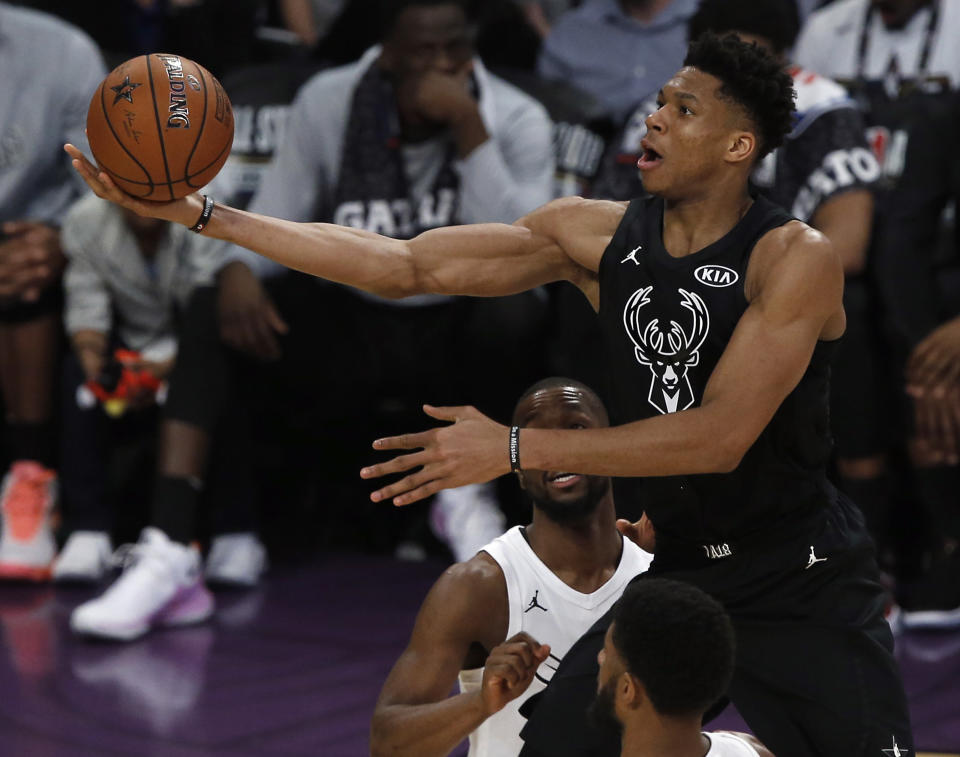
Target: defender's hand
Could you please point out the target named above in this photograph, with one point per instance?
(640, 533)
(509, 670)
(185, 211)
(473, 450)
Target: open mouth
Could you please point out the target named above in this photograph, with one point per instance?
(650, 158)
(563, 480)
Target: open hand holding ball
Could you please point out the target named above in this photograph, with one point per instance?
(160, 126)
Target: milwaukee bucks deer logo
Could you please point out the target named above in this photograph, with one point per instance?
(671, 353)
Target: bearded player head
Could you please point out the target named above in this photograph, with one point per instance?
(729, 105)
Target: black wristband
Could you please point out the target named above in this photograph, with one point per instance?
(204, 219)
(515, 449)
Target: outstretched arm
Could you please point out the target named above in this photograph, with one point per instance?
(467, 608)
(564, 239)
(797, 301)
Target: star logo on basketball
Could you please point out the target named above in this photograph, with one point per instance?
(669, 354)
(124, 91)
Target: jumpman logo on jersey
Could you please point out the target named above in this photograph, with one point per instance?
(535, 603)
(814, 559)
(633, 255)
(895, 750)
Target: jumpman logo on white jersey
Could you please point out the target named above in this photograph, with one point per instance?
(535, 604)
(814, 559)
(895, 750)
(633, 255)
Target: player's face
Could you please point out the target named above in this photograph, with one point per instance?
(896, 13)
(428, 38)
(603, 710)
(689, 136)
(562, 496)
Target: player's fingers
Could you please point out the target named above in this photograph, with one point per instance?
(540, 651)
(523, 636)
(406, 441)
(449, 413)
(509, 669)
(396, 465)
(421, 492)
(522, 650)
(403, 486)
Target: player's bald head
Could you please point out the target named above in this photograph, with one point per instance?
(560, 387)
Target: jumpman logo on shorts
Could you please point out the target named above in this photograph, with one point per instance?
(895, 750)
(535, 603)
(633, 255)
(814, 559)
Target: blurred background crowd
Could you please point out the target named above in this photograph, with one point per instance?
(161, 386)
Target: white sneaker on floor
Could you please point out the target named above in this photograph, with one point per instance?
(161, 585)
(466, 519)
(27, 499)
(237, 559)
(84, 558)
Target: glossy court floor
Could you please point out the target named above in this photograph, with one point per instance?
(290, 670)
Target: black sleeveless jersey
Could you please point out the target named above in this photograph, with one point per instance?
(666, 321)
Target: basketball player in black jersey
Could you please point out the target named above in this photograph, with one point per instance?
(720, 315)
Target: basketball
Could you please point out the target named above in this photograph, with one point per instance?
(160, 126)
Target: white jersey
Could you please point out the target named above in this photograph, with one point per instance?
(552, 613)
(830, 43)
(728, 745)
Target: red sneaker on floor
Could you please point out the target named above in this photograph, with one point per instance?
(27, 498)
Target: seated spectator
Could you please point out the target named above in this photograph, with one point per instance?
(310, 20)
(667, 658)
(218, 34)
(900, 60)
(620, 51)
(503, 620)
(63, 68)
(543, 14)
(126, 278)
(415, 135)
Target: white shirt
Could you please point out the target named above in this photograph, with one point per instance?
(552, 613)
(830, 41)
(728, 745)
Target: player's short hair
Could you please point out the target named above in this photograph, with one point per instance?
(677, 641)
(391, 10)
(559, 382)
(774, 20)
(751, 78)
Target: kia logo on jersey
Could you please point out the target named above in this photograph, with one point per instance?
(716, 275)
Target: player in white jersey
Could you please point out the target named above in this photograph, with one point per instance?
(503, 620)
(666, 658)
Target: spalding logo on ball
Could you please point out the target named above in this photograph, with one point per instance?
(161, 126)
